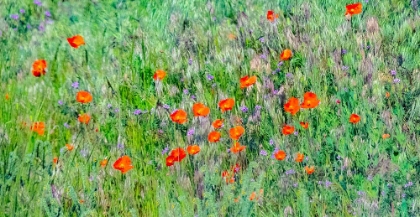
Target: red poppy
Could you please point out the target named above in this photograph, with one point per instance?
(305, 125)
(354, 118)
(214, 136)
(226, 104)
(84, 97)
(193, 149)
(247, 81)
(170, 160)
(159, 75)
(310, 100)
(236, 132)
(179, 116)
(84, 118)
(286, 55)
(217, 123)
(280, 155)
(123, 164)
(309, 170)
(271, 16)
(38, 127)
(76, 41)
(353, 9)
(103, 163)
(38, 67)
(292, 106)
(287, 130)
(237, 147)
(200, 109)
(178, 154)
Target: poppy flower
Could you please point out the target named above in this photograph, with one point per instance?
(214, 136)
(193, 149)
(310, 100)
(76, 41)
(354, 118)
(69, 147)
(292, 106)
(200, 109)
(286, 55)
(7, 97)
(353, 9)
(170, 160)
(178, 154)
(159, 75)
(237, 147)
(38, 67)
(84, 118)
(104, 162)
(226, 104)
(271, 16)
(299, 157)
(55, 160)
(280, 155)
(236, 132)
(38, 127)
(179, 116)
(84, 97)
(123, 164)
(217, 123)
(236, 168)
(387, 94)
(309, 170)
(247, 81)
(253, 196)
(305, 125)
(287, 130)
(225, 174)
(385, 136)
(231, 36)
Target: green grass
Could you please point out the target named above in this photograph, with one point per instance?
(127, 41)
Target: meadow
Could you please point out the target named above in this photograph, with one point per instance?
(209, 108)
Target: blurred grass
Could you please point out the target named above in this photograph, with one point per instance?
(126, 41)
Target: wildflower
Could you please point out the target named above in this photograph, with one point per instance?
(84, 152)
(236, 132)
(217, 123)
(14, 16)
(200, 109)
(354, 118)
(103, 163)
(397, 80)
(271, 142)
(84, 118)
(299, 157)
(309, 170)
(69, 147)
(48, 13)
(84, 97)
(38, 127)
(393, 72)
(209, 77)
(263, 152)
(237, 147)
(60, 102)
(179, 116)
(166, 106)
(387, 94)
(385, 136)
(290, 172)
(76, 41)
(305, 125)
(247, 81)
(38, 68)
(310, 100)
(353, 9)
(170, 160)
(287, 130)
(123, 164)
(193, 149)
(289, 75)
(327, 184)
(185, 91)
(159, 75)
(120, 146)
(178, 154)
(271, 16)
(190, 132)
(292, 106)
(66, 125)
(214, 136)
(22, 11)
(244, 108)
(231, 36)
(190, 61)
(55, 160)
(137, 112)
(75, 85)
(286, 55)
(226, 104)
(280, 155)
(165, 150)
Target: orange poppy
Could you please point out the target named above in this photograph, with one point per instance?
(271, 16)
(76, 41)
(225, 174)
(226, 104)
(236, 132)
(385, 136)
(253, 196)
(159, 75)
(310, 100)
(214, 136)
(200, 109)
(286, 55)
(292, 106)
(354, 118)
(193, 149)
(38, 127)
(7, 97)
(287, 129)
(231, 36)
(387, 94)
(299, 157)
(123, 164)
(104, 162)
(280, 155)
(69, 147)
(217, 123)
(305, 125)
(84, 97)
(38, 67)
(84, 118)
(55, 160)
(170, 160)
(247, 81)
(354, 9)
(237, 147)
(178, 154)
(309, 170)
(179, 116)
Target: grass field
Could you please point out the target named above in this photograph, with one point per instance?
(353, 79)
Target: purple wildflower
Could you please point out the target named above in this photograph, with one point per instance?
(137, 112)
(190, 132)
(244, 109)
(263, 56)
(117, 110)
(320, 182)
(290, 172)
(186, 91)
(165, 150)
(370, 178)
(361, 193)
(22, 11)
(14, 16)
(327, 183)
(295, 185)
(403, 195)
(60, 102)
(66, 125)
(109, 106)
(75, 85)
(409, 184)
(120, 146)
(343, 51)
(393, 72)
(38, 2)
(262, 40)
(209, 77)
(28, 26)
(41, 27)
(166, 106)
(289, 75)
(271, 142)
(193, 97)
(296, 133)
(344, 68)
(258, 107)
(397, 80)
(190, 61)
(263, 152)
(48, 13)
(280, 64)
